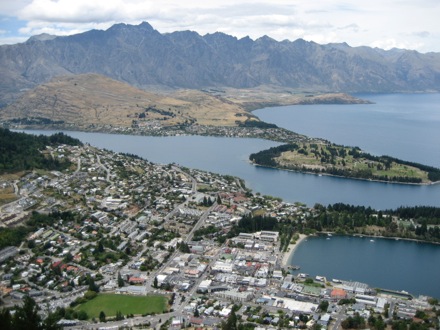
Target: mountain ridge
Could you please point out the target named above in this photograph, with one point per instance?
(145, 58)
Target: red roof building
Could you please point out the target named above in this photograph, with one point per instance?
(338, 294)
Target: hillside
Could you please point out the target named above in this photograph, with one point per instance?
(143, 57)
(23, 152)
(91, 99)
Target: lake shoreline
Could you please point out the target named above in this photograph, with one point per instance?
(291, 250)
(347, 177)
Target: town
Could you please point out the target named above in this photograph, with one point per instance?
(118, 224)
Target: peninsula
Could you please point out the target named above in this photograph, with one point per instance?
(352, 162)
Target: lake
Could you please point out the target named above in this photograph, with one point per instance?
(384, 263)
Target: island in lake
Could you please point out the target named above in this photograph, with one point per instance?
(351, 162)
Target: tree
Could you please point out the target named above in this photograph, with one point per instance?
(82, 315)
(5, 320)
(68, 257)
(102, 316)
(231, 322)
(92, 284)
(100, 247)
(155, 283)
(433, 301)
(399, 325)
(380, 324)
(323, 306)
(26, 317)
(120, 281)
(386, 311)
(51, 322)
(89, 295)
(119, 316)
(184, 248)
(353, 322)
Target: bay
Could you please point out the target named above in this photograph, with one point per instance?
(384, 263)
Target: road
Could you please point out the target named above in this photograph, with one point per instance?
(78, 165)
(339, 318)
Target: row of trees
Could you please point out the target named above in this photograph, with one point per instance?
(378, 323)
(252, 224)
(349, 219)
(430, 214)
(355, 219)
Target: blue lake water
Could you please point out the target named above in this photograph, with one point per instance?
(384, 263)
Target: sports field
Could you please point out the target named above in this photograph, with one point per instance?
(112, 303)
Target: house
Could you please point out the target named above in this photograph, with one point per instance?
(324, 320)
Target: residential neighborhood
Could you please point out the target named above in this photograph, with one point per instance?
(119, 224)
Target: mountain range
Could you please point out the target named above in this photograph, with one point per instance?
(142, 57)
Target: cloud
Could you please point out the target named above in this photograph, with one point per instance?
(422, 34)
(357, 23)
(11, 8)
(393, 43)
(280, 18)
(84, 11)
(353, 27)
(7, 40)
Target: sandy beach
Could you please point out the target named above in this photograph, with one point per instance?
(291, 249)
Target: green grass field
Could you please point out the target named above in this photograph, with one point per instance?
(112, 303)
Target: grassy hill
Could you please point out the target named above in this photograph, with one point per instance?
(91, 99)
(346, 162)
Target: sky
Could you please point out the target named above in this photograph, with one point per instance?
(406, 24)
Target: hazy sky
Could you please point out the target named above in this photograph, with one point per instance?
(408, 24)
